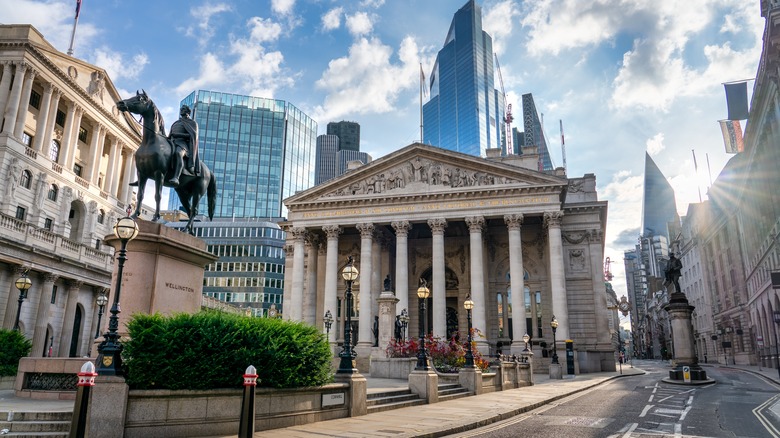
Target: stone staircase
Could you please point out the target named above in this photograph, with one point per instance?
(35, 424)
(451, 391)
(388, 400)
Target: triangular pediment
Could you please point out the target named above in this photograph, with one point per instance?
(423, 170)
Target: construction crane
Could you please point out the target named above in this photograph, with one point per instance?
(607, 272)
(507, 112)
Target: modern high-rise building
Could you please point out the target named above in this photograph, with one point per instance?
(261, 151)
(348, 134)
(533, 133)
(332, 158)
(465, 112)
(658, 206)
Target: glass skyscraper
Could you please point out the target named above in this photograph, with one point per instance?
(261, 151)
(348, 134)
(658, 206)
(533, 134)
(465, 112)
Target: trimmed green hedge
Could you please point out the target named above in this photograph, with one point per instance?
(212, 349)
(13, 346)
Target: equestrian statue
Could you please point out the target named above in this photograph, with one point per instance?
(171, 161)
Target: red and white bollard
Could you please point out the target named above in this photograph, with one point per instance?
(246, 428)
(78, 424)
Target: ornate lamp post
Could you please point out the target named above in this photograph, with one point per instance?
(109, 361)
(23, 284)
(101, 301)
(554, 325)
(404, 323)
(526, 338)
(422, 294)
(328, 323)
(469, 305)
(347, 364)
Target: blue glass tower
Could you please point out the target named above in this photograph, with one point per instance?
(465, 112)
(261, 151)
(658, 207)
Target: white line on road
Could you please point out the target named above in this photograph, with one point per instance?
(651, 398)
(685, 412)
(630, 429)
(644, 411)
(677, 430)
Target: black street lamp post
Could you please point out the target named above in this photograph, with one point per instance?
(23, 284)
(328, 323)
(469, 306)
(404, 323)
(422, 294)
(109, 360)
(554, 325)
(526, 338)
(101, 302)
(347, 355)
(777, 344)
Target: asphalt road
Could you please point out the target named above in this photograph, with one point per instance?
(740, 404)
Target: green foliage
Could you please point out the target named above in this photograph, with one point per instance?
(447, 356)
(212, 349)
(13, 346)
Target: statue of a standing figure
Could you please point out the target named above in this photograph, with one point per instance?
(672, 272)
(184, 135)
(387, 284)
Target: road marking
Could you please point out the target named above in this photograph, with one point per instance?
(630, 429)
(651, 399)
(678, 430)
(685, 412)
(644, 411)
(766, 422)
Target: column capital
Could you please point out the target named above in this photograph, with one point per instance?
(312, 240)
(437, 225)
(17, 269)
(513, 221)
(48, 277)
(475, 223)
(288, 250)
(21, 66)
(553, 218)
(366, 230)
(332, 231)
(401, 228)
(298, 233)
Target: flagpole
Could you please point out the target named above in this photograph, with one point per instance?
(73, 32)
(708, 167)
(696, 171)
(737, 82)
(421, 104)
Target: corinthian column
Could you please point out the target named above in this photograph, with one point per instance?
(309, 307)
(42, 317)
(331, 276)
(365, 337)
(12, 107)
(69, 318)
(293, 309)
(5, 84)
(439, 292)
(51, 121)
(514, 223)
(402, 264)
(24, 103)
(476, 224)
(560, 306)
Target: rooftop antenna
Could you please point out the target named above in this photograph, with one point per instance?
(563, 146)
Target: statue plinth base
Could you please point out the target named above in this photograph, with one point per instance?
(163, 272)
(687, 370)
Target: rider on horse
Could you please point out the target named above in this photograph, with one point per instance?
(184, 136)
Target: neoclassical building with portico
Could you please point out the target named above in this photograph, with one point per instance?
(524, 245)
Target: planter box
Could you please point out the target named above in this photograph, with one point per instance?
(392, 368)
(7, 382)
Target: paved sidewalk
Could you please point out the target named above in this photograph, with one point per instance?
(452, 416)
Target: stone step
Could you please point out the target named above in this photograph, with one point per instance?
(391, 399)
(36, 434)
(454, 396)
(456, 390)
(35, 426)
(389, 393)
(35, 416)
(396, 405)
(446, 386)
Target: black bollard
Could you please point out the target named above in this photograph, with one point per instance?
(78, 424)
(246, 428)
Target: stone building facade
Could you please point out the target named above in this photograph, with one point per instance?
(484, 227)
(66, 157)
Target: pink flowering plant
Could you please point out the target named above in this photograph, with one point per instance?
(446, 355)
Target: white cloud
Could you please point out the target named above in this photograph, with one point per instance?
(359, 24)
(367, 81)
(498, 22)
(262, 30)
(332, 19)
(371, 3)
(117, 67)
(204, 29)
(53, 19)
(656, 144)
(283, 7)
(212, 73)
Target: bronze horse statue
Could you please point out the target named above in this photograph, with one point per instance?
(153, 159)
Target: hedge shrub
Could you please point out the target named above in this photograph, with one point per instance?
(211, 349)
(13, 346)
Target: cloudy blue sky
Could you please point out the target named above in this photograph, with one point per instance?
(625, 76)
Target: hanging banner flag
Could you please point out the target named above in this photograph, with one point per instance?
(732, 136)
(737, 101)
(78, 8)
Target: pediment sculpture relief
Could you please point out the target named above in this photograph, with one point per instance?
(420, 172)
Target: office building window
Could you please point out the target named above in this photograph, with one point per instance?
(26, 179)
(82, 135)
(53, 192)
(60, 120)
(54, 294)
(54, 151)
(47, 223)
(101, 216)
(35, 99)
(27, 139)
(20, 213)
(77, 169)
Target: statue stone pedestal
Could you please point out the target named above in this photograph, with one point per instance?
(687, 370)
(163, 272)
(387, 302)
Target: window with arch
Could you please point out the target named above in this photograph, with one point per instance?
(101, 216)
(26, 179)
(53, 192)
(54, 151)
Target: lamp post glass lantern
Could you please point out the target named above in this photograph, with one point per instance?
(554, 325)
(23, 284)
(404, 323)
(347, 355)
(101, 301)
(328, 323)
(526, 338)
(109, 360)
(469, 306)
(422, 358)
